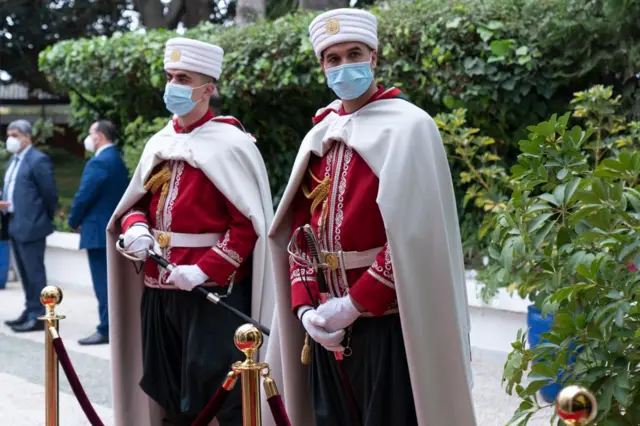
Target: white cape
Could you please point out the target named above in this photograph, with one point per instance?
(231, 160)
(402, 145)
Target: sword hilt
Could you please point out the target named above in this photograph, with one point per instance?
(312, 242)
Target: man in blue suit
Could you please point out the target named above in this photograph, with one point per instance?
(104, 180)
(29, 201)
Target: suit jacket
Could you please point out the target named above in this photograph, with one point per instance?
(35, 198)
(104, 180)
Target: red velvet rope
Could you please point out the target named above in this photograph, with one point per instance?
(212, 408)
(277, 410)
(76, 386)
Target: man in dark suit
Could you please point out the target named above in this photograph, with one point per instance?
(29, 201)
(104, 180)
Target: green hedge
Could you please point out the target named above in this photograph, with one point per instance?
(510, 63)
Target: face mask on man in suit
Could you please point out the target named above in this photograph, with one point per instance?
(13, 144)
(90, 144)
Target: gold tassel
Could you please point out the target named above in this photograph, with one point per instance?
(305, 358)
(270, 387)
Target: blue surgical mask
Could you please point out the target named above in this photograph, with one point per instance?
(177, 98)
(350, 81)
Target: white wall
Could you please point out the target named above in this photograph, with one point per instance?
(66, 265)
(493, 326)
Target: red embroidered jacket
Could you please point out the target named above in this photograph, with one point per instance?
(353, 223)
(194, 205)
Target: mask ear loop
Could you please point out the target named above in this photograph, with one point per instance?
(196, 88)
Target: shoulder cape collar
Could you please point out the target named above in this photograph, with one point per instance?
(336, 106)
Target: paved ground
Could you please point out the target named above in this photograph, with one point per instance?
(22, 369)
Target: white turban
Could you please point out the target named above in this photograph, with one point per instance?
(343, 25)
(193, 55)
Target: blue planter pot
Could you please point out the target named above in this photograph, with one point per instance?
(537, 326)
(4, 263)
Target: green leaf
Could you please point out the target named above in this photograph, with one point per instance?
(622, 379)
(549, 198)
(538, 207)
(563, 173)
(454, 23)
(535, 386)
(572, 185)
(501, 48)
(543, 370)
(621, 395)
(584, 271)
(537, 222)
(545, 129)
(628, 249)
(522, 50)
(633, 196)
(558, 193)
(599, 189)
(485, 34)
(542, 234)
(606, 395)
(495, 25)
(448, 101)
(564, 237)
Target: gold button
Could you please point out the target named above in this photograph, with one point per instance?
(164, 240)
(331, 260)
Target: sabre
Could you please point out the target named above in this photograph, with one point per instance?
(212, 297)
(323, 289)
(312, 242)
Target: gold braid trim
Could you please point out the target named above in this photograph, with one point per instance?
(157, 181)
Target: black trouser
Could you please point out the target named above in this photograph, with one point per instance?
(30, 262)
(188, 349)
(377, 373)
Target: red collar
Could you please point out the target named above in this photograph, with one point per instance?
(205, 118)
(373, 98)
(380, 94)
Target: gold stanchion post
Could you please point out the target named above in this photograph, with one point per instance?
(576, 406)
(50, 297)
(248, 338)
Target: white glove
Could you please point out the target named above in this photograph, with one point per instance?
(138, 240)
(186, 277)
(338, 312)
(314, 324)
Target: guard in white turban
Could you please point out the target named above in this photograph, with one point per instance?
(368, 257)
(200, 198)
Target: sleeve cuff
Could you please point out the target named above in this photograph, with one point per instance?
(300, 296)
(372, 294)
(219, 272)
(131, 218)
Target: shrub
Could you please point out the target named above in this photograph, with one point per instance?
(509, 63)
(569, 238)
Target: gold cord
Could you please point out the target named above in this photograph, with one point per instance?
(319, 193)
(160, 181)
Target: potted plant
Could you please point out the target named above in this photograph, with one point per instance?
(569, 240)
